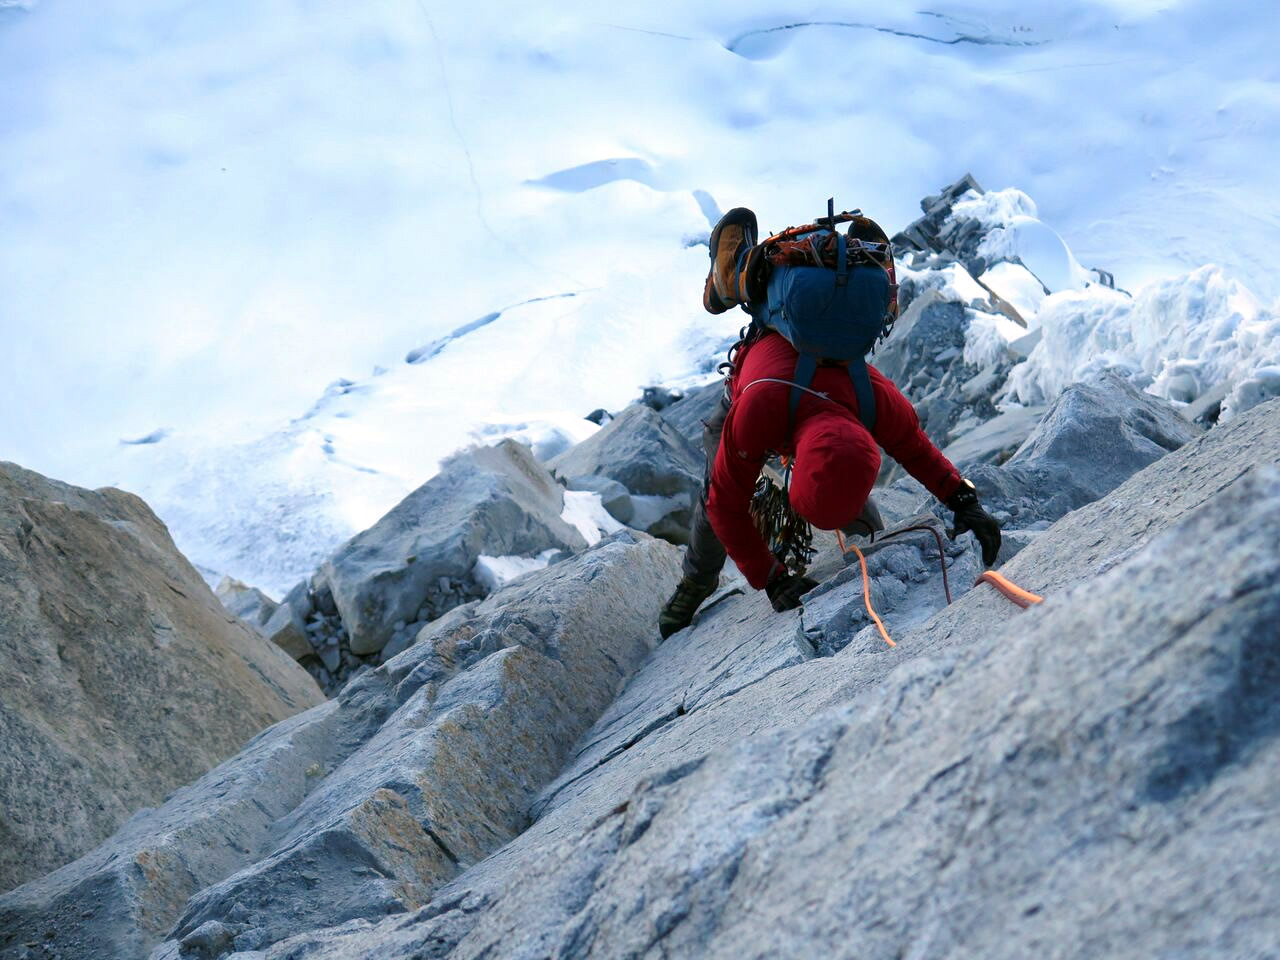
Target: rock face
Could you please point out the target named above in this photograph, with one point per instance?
(1093, 438)
(1090, 440)
(689, 414)
(925, 357)
(366, 804)
(493, 500)
(640, 450)
(659, 467)
(1091, 777)
(124, 676)
(533, 778)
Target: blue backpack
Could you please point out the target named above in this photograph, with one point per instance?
(833, 296)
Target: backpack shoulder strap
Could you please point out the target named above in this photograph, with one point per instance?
(806, 367)
(861, 378)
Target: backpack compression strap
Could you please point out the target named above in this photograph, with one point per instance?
(842, 260)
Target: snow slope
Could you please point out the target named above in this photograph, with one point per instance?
(209, 212)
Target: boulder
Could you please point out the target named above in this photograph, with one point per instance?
(647, 455)
(1094, 436)
(493, 500)
(248, 603)
(640, 450)
(363, 806)
(744, 797)
(287, 625)
(1091, 439)
(124, 675)
(698, 406)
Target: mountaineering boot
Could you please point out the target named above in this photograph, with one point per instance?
(679, 611)
(732, 237)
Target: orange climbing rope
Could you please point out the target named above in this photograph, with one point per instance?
(866, 586)
(1023, 598)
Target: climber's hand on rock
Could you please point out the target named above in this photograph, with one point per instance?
(786, 589)
(969, 516)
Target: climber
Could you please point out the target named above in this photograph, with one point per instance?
(835, 457)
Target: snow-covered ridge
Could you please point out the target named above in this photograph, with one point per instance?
(1178, 339)
(209, 214)
(268, 510)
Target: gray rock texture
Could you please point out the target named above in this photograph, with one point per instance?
(647, 455)
(698, 406)
(286, 626)
(1094, 437)
(364, 805)
(1090, 777)
(494, 500)
(248, 603)
(124, 677)
(531, 778)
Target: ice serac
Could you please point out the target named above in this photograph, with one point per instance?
(493, 500)
(123, 676)
(1099, 768)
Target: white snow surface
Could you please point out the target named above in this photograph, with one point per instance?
(585, 510)
(953, 282)
(1013, 230)
(1018, 287)
(987, 336)
(493, 572)
(474, 220)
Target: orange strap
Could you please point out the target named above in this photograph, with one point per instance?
(866, 586)
(1023, 598)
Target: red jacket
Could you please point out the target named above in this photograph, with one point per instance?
(836, 458)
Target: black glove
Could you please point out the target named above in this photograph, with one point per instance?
(971, 517)
(786, 589)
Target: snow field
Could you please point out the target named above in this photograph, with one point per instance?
(209, 212)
